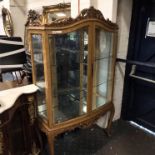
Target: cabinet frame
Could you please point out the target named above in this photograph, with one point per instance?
(92, 19)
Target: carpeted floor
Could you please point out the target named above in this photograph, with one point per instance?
(126, 139)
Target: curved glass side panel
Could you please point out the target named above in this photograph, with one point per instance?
(39, 73)
(102, 68)
(69, 52)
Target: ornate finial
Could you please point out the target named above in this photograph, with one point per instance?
(34, 18)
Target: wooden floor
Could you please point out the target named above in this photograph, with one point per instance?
(126, 139)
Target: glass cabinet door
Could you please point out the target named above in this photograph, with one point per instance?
(39, 72)
(102, 78)
(69, 54)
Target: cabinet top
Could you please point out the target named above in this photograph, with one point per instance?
(90, 14)
(9, 97)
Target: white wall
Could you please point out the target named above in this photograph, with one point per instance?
(78, 5)
(123, 21)
(108, 8)
(19, 15)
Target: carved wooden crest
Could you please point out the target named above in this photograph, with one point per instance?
(34, 18)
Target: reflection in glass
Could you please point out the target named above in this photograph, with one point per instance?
(39, 71)
(102, 67)
(69, 55)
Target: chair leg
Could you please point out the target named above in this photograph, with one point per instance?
(12, 76)
(18, 81)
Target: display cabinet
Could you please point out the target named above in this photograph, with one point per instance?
(73, 63)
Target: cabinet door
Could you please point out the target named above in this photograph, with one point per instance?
(39, 73)
(102, 78)
(69, 54)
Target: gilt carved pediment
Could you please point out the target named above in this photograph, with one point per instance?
(35, 19)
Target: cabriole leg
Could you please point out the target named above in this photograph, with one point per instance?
(51, 143)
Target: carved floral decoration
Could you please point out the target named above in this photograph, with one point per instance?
(34, 19)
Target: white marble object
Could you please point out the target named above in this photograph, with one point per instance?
(9, 97)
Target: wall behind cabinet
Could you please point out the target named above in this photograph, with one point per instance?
(123, 21)
(19, 15)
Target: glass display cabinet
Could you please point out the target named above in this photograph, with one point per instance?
(73, 63)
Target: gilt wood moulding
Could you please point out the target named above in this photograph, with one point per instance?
(7, 22)
(73, 63)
